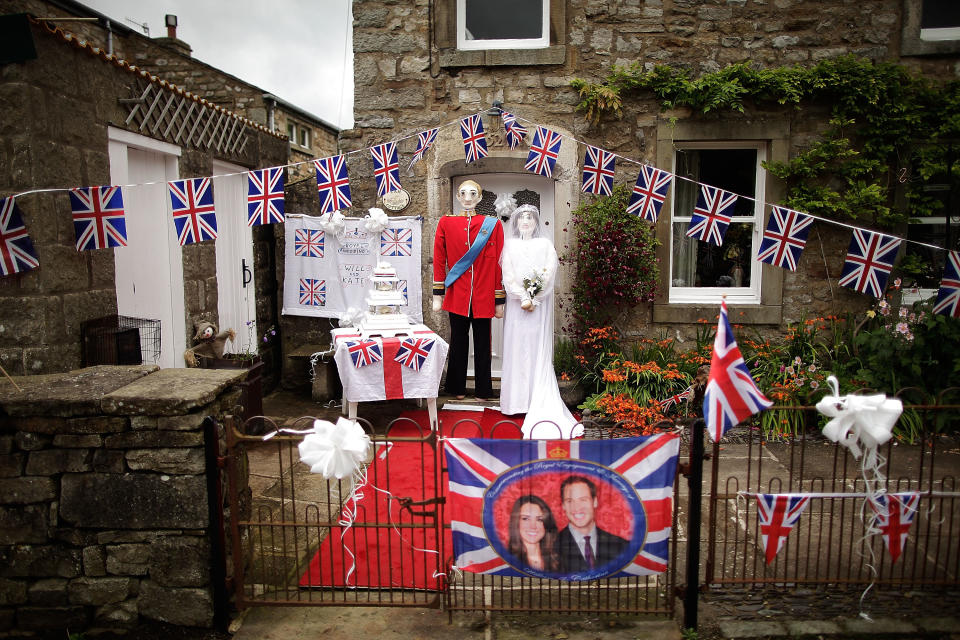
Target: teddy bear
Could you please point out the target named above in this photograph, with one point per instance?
(209, 343)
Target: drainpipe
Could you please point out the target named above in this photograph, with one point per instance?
(109, 39)
(271, 106)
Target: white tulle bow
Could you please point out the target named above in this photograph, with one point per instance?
(333, 223)
(335, 450)
(376, 221)
(859, 422)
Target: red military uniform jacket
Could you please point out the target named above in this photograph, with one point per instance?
(480, 286)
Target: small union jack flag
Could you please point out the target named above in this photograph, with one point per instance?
(731, 396)
(402, 288)
(396, 242)
(474, 140)
(193, 213)
(386, 168)
(777, 514)
(543, 151)
(313, 292)
(98, 217)
(16, 249)
(711, 216)
(869, 262)
(265, 196)
(598, 167)
(649, 193)
(364, 352)
(516, 132)
(785, 237)
(308, 243)
(893, 515)
(948, 298)
(413, 352)
(425, 140)
(333, 184)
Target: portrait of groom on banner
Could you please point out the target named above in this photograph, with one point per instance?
(563, 509)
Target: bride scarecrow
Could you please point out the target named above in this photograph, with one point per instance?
(529, 384)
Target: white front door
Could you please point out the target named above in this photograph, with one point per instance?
(237, 304)
(495, 184)
(149, 270)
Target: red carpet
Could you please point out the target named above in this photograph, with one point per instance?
(384, 557)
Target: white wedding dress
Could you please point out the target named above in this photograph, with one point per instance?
(529, 384)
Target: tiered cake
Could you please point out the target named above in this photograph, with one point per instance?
(384, 300)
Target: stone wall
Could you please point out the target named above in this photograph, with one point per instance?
(104, 519)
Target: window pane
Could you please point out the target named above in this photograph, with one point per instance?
(700, 264)
(504, 19)
(939, 14)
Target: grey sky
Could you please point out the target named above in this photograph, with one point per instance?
(299, 50)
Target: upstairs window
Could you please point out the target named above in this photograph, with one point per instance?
(304, 137)
(940, 20)
(503, 24)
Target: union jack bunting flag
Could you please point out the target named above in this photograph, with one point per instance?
(893, 515)
(313, 292)
(396, 242)
(265, 202)
(515, 131)
(364, 352)
(494, 484)
(543, 151)
(731, 396)
(474, 140)
(16, 249)
(425, 140)
(386, 168)
(333, 184)
(193, 213)
(711, 216)
(869, 262)
(777, 514)
(598, 167)
(649, 193)
(98, 218)
(308, 243)
(413, 352)
(948, 298)
(785, 237)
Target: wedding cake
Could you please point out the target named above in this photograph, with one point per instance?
(384, 301)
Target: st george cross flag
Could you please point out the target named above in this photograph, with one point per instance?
(776, 516)
(785, 237)
(364, 352)
(333, 183)
(893, 515)
(425, 140)
(16, 249)
(386, 168)
(413, 352)
(193, 213)
(622, 489)
(869, 262)
(265, 202)
(711, 216)
(98, 218)
(731, 396)
(544, 151)
(515, 131)
(474, 140)
(948, 298)
(649, 193)
(598, 170)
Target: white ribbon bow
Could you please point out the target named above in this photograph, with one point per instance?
(335, 451)
(859, 421)
(376, 221)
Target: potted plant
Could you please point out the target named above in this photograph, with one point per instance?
(565, 365)
(251, 389)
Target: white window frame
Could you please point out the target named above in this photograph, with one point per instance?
(304, 137)
(508, 43)
(940, 34)
(713, 295)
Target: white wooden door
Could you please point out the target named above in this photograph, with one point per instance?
(149, 270)
(495, 184)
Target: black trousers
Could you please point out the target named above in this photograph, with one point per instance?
(459, 350)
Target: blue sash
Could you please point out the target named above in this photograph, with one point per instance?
(467, 259)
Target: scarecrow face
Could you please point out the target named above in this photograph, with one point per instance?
(207, 333)
(526, 223)
(469, 194)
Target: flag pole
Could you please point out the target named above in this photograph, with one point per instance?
(691, 595)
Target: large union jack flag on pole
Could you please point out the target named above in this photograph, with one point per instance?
(711, 216)
(413, 352)
(386, 168)
(544, 151)
(425, 140)
(265, 202)
(633, 483)
(948, 298)
(98, 217)
(649, 193)
(598, 170)
(776, 515)
(731, 396)
(193, 213)
(333, 183)
(364, 352)
(474, 139)
(16, 249)
(784, 238)
(515, 131)
(893, 515)
(869, 262)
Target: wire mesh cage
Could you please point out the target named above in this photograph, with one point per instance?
(120, 339)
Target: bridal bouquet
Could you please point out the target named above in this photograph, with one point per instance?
(533, 284)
